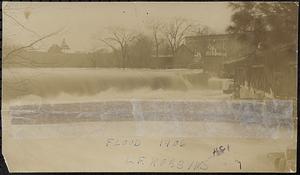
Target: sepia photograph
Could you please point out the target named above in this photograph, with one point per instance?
(149, 86)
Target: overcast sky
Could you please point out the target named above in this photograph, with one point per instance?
(81, 21)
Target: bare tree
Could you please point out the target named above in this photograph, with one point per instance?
(156, 27)
(6, 10)
(174, 32)
(14, 84)
(40, 38)
(119, 37)
(31, 44)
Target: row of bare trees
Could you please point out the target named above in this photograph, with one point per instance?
(164, 35)
(10, 51)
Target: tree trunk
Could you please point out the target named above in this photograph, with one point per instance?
(156, 46)
(156, 51)
(123, 54)
(173, 51)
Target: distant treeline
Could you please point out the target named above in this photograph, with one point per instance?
(139, 56)
(127, 48)
(85, 60)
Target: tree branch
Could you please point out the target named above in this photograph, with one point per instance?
(110, 45)
(20, 24)
(31, 44)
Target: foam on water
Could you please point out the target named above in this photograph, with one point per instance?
(49, 83)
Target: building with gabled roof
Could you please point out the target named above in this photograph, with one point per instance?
(64, 46)
(216, 49)
(183, 57)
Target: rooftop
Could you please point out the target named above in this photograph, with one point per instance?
(213, 35)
